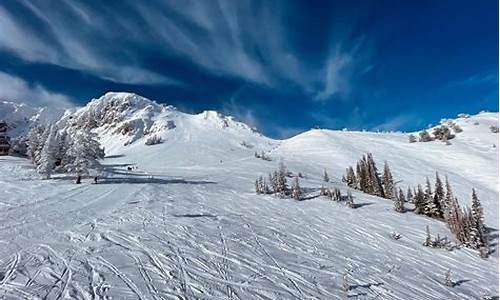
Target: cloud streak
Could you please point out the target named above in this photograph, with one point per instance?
(241, 39)
(15, 89)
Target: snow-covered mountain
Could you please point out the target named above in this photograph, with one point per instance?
(181, 220)
(20, 117)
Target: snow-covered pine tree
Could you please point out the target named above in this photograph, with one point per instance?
(34, 139)
(326, 178)
(430, 208)
(412, 138)
(420, 205)
(257, 186)
(296, 190)
(350, 199)
(477, 210)
(409, 195)
(86, 151)
(360, 176)
(338, 194)
(438, 197)
(47, 159)
(447, 278)
(399, 201)
(323, 191)
(388, 183)
(428, 239)
(374, 179)
(477, 236)
(350, 178)
(447, 201)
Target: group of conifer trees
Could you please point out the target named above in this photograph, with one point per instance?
(336, 195)
(276, 183)
(54, 150)
(466, 223)
(367, 179)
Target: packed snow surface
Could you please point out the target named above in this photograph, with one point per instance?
(181, 220)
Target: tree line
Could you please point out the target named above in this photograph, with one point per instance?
(465, 223)
(53, 150)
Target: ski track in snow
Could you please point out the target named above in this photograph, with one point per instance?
(192, 229)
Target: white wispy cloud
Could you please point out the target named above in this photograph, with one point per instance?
(241, 39)
(15, 89)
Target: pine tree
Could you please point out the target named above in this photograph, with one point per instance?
(374, 179)
(430, 207)
(296, 190)
(85, 150)
(323, 191)
(438, 197)
(477, 237)
(399, 201)
(388, 182)
(428, 239)
(257, 186)
(412, 138)
(447, 278)
(447, 201)
(325, 177)
(350, 178)
(420, 205)
(47, 159)
(409, 195)
(350, 199)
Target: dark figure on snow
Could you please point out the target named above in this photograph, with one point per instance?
(78, 179)
(95, 179)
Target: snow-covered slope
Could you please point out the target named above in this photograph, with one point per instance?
(20, 117)
(185, 223)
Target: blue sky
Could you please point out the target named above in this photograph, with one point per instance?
(282, 66)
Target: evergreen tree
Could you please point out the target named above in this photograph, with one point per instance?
(350, 199)
(325, 177)
(477, 237)
(412, 138)
(374, 179)
(447, 278)
(439, 197)
(350, 178)
(430, 208)
(296, 190)
(428, 239)
(388, 182)
(409, 195)
(47, 159)
(448, 200)
(85, 150)
(420, 205)
(323, 191)
(399, 201)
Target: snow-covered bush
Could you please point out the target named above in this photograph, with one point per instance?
(442, 133)
(424, 136)
(153, 140)
(494, 129)
(412, 138)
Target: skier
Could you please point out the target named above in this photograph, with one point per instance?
(95, 179)
(78, 179)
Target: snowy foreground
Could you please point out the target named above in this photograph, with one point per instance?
(185, 223)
